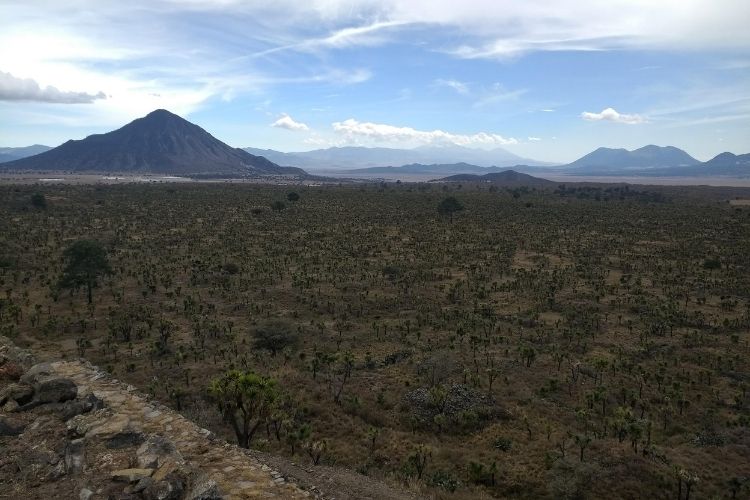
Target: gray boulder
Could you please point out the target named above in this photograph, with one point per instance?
(55, 390)
(36, 373)
(9, 427)
(156, 451)
(205, 489)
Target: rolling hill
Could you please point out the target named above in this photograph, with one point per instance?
(419, 168)
(159, 143)
(508, 178)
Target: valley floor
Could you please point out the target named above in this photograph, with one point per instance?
(585, 341)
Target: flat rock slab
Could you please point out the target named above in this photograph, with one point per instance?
(131, 475)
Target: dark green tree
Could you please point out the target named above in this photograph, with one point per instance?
(86, 261)
(275, 336)
(38, 200)
(449, 206)
(712, 264)
(293, 196)
(278, 206)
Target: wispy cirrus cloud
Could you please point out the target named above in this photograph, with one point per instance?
(496, 94)
(368, 34)
(612, 115)
(507, 28)
(456, 85)
(354, 131)
(702, 103)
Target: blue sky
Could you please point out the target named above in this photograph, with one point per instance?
(551, 79)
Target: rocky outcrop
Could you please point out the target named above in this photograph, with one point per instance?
(69, 430)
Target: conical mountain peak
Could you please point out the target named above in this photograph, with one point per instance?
(160, 142)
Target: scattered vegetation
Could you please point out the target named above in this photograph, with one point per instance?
(557, 343)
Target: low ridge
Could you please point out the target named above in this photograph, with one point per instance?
(509, 178)
(10, 154)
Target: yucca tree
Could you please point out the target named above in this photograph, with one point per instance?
(246, 401)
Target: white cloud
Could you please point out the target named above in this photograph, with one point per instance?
(456, 85)
(26, 89)
(534, 139)
(353, 130)
(289, 123)
(611, 115)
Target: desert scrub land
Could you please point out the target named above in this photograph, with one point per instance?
(574, 342)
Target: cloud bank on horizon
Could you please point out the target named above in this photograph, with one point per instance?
(287, 75)
(353, 130)
(26, 89)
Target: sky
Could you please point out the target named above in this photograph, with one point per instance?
(545, 79)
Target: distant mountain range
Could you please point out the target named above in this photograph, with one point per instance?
(356, 157)
(652, 161)
(10, 154)
(507, 178)
(726, 164)
(164, 143)
(648, 161)
(160, 143)
(607, 159)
